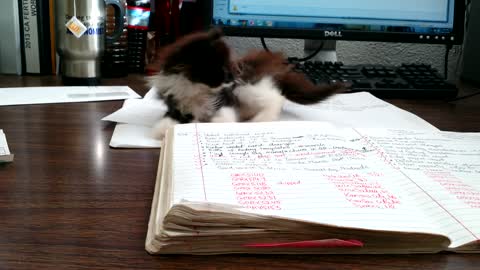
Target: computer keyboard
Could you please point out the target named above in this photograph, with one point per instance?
(416, 81)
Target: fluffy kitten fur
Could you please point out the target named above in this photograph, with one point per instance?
(200, 82)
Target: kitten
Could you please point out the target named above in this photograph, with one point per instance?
(199, 82)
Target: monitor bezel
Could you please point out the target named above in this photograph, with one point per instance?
(349, 35)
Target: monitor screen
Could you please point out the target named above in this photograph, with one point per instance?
(425, 21)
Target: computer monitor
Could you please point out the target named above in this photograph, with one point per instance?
(419, 21)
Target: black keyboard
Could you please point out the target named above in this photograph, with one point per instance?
(417, 81)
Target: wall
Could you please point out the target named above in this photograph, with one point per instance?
(362, 52)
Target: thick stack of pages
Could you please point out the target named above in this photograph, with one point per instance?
(309, 187)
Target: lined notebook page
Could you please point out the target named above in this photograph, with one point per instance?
(300, 170)
(447, 166)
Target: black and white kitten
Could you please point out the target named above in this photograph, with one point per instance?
(199, 82)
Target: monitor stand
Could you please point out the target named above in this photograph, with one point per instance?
(328, 52)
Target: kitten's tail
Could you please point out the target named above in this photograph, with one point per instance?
(297, 88)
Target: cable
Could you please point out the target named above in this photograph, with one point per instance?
(448, 47)
(467, 11)
(465, 97)
(264, 44)
(462, 52)
(296, 59)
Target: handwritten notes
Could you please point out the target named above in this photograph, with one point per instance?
(455, 186)
(362, 192)
(278, 152)
(253, 191)
(423, 151)
(444, 165)
(300, 170)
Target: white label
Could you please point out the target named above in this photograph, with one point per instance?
(76, 27)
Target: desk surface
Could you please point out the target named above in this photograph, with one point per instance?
(70, 201)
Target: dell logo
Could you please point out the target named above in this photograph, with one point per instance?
(333, 33)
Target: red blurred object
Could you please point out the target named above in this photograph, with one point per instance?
(138, 14)
(173, 19)
(167, 18)
(191, 16)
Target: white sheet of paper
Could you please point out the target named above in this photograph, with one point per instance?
(5, 155)
(356, 110)
(133, 136)
(63, 94)
(347, 110)
(134, 122)
(143, 112)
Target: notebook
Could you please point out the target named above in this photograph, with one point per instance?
(310, 187)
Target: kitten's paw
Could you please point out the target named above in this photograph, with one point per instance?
(161, 127)
(225, 115)
(271, 113)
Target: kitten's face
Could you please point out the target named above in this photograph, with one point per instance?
(200, 57)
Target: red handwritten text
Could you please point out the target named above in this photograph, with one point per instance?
(252, 191)
(363, 193)
(457, 187)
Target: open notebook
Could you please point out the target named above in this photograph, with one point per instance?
(310, 187)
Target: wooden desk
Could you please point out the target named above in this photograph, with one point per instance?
(68, 201)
